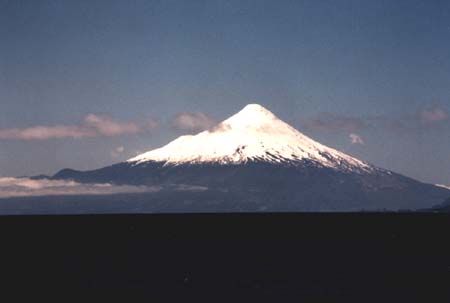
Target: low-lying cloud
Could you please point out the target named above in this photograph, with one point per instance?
(193, 122)
(91, 126)
(443, 186)
(26, 187)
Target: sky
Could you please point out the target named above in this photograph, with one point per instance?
(84, 84)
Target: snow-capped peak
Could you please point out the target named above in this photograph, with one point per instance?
(251, 116)
(253, 134)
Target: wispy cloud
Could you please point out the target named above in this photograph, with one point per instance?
(406, 122)
(116, 152)
(427, 118)
(356, 139)
(433, 115)
(91, 126)
(25, 187)
(47, 132)
(193, 122)
(106, 126)
(332, 122)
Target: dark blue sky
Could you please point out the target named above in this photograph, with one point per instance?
(379, 70)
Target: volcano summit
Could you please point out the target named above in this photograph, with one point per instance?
(254, 161)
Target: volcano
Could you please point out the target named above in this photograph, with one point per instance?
(254, 161)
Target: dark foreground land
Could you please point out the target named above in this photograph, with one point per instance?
(368, 257)
(186, 201)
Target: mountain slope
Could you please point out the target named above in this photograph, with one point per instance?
(260, 160)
